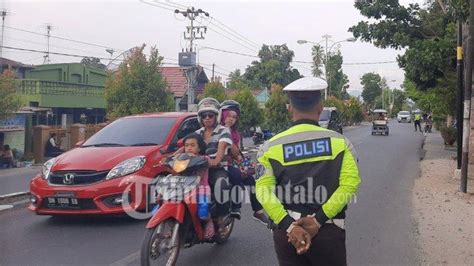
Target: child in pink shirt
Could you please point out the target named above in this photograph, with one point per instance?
(194, 145)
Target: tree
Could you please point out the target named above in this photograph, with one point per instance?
(251, 114)
(273, 67)
(277, 117)
(427, 34)
(138, 86)
(10, 101)
(333, 74)
(372, 85)
(93, 62)
(216, 90)
(350, 110)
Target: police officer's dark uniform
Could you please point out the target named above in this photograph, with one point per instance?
(320, 162)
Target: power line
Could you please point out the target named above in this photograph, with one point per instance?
(242, 36)
(237, 36)
(157, 5)
(52, 45)
(296, 61)
(62, 38)
(369, 63)
(230, 52)
(55, 53)
(233, 40)
(222, 74)
(171, 4)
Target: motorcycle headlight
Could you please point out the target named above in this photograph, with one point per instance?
(180, 166)
(46, 169)
(127, 167)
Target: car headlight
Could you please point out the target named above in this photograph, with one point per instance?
(127, 167)
(46, 169)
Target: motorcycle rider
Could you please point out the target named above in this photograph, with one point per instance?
(219, 137)
(229, 117)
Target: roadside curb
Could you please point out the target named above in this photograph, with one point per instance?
(13, 201)
(422, 150)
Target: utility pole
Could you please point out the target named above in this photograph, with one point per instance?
(328, 78)
(4, 15)
(460, 96)
(213, 65)
(467, 101)
(191, 30)
(188, 59)
(48, 35)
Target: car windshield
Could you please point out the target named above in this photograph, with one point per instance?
(137, 131)
(404, 113)
(325, 115)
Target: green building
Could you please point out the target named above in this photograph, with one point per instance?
(74, 92)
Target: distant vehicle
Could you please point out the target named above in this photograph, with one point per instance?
(89, 178)
(380, 122)
(331, 119)
(404, 116)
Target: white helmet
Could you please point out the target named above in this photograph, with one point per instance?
(208, 105)
(306, 84)
(229, 104)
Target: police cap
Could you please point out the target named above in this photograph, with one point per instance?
(306, 84)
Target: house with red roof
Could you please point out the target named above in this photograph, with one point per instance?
(178, 84)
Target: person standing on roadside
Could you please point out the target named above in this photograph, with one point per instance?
(303, 163)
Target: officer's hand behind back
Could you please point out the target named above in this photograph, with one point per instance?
(310, 224)
(300, 239)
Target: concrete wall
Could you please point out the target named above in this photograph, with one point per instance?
(16, 140)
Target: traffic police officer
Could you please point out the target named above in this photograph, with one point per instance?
(306, 176)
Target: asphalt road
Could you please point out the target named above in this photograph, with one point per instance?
(17, 179)
(379, 229)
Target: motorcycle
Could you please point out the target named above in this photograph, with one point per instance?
(259, 138)
(175, 223)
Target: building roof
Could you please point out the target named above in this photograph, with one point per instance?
(13, 64)
(177, 83)
(176, 80)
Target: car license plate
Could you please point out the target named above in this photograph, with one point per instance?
(63, 202)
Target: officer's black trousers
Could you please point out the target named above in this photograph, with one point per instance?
(328, 247)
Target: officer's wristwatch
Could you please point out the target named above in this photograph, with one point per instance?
(290, 228)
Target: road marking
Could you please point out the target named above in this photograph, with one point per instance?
(5, 207)
(127, 260)
(12, 195)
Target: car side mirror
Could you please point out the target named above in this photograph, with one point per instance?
(79, 144)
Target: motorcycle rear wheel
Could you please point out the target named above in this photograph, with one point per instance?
(157, 248)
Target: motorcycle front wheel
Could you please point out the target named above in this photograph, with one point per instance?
(229, 226)
(161, 244)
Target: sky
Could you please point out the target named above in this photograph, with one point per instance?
(235, 26)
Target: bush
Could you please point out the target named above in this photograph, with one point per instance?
(448, 134)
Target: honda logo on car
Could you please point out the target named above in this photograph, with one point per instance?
(68, 179)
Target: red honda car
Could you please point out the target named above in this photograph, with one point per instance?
(94, 177)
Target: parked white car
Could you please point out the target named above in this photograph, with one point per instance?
(404, 116)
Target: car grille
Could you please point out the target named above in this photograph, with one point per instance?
(76, 177)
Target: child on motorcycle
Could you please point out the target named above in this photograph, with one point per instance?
(230, 114)
(194, 145)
